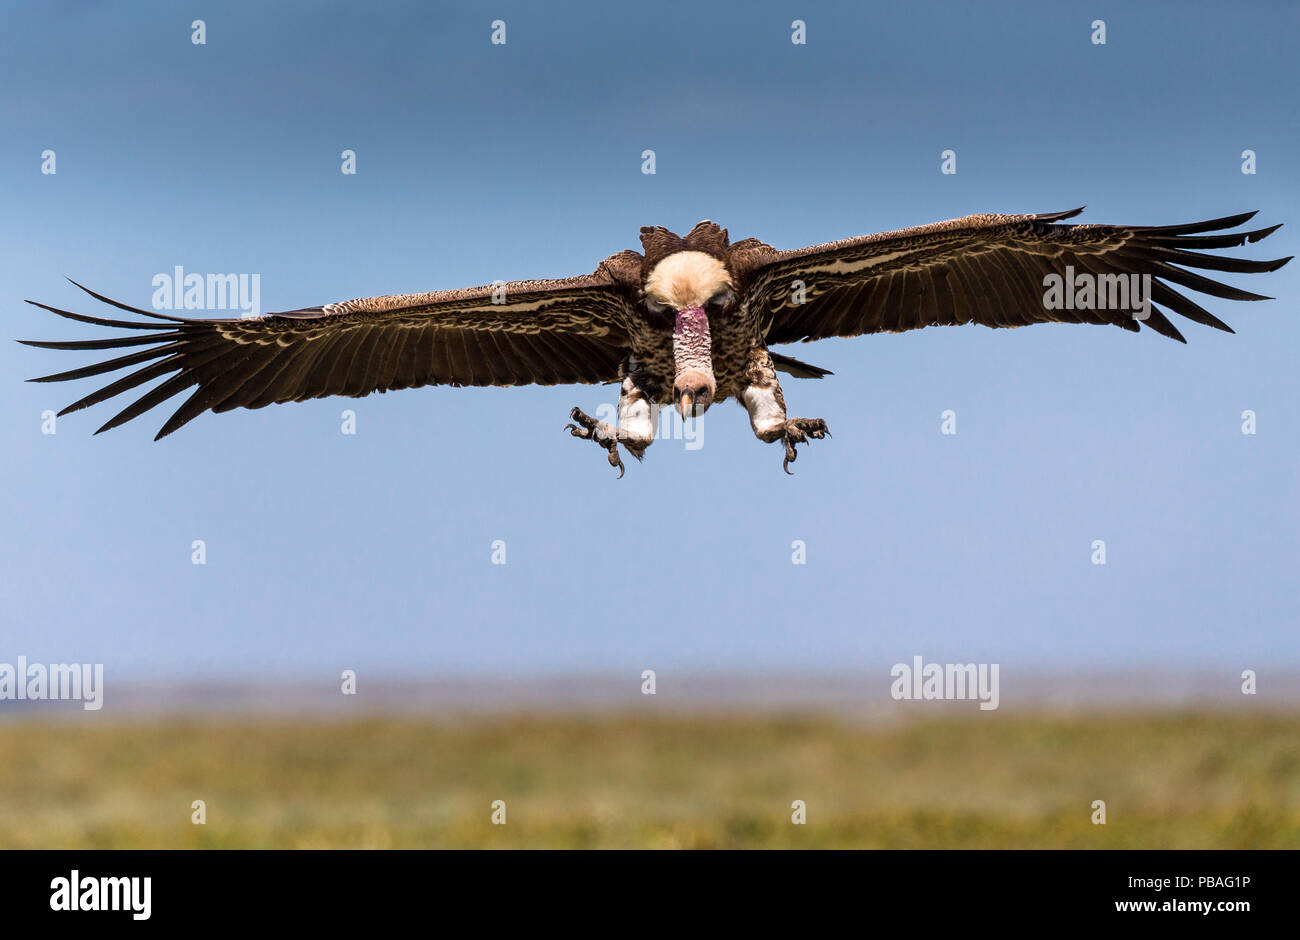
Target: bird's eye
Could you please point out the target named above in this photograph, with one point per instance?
(721, 298)
(657, 308)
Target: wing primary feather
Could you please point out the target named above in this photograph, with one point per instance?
(1196, 259)
(97, 321)
(183, 415)
(154, 397)
(111, 365)
(1193, 228)
(239, 383)
(1202, 284)
(127, 382)
(254, 386)
(116, 342)
(1057, 216)
(1160, 323)
(1033, 275)
(196, 362)
(1231, 240)
(796, 367)
(1163, 294)
(211, 391)
(127, 307)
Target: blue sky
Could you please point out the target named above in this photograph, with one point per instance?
(477, 162)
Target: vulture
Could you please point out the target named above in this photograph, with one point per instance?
(687, 321)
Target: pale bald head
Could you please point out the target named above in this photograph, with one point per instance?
(687, 279)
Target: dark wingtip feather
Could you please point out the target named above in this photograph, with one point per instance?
(1058, 216)
(116, 342)
(1156, 320)
(112, 365)
(1209, 262)
(1193, 228)
(98, 321)
(1222, 240)
(121, 306)
(797, 368)
(1262, 233)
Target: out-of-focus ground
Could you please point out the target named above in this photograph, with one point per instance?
(1195, 769)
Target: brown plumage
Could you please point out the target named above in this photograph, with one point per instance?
(605, 327)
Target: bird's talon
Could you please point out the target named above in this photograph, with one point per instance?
(587, 428)
(800, 431)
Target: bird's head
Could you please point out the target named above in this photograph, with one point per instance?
(690, 286)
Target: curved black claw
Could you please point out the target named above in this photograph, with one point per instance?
(586, 429)
(587, 421)
(800, 431)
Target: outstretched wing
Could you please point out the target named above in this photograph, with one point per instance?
(545, 332)
(991, 269)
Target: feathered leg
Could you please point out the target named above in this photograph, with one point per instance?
(763, 400)
(635, 429)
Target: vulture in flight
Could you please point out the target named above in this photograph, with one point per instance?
(686, 321)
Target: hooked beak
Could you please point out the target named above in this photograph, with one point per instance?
(686, 404)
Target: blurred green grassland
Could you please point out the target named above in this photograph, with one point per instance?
(1206, 779)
